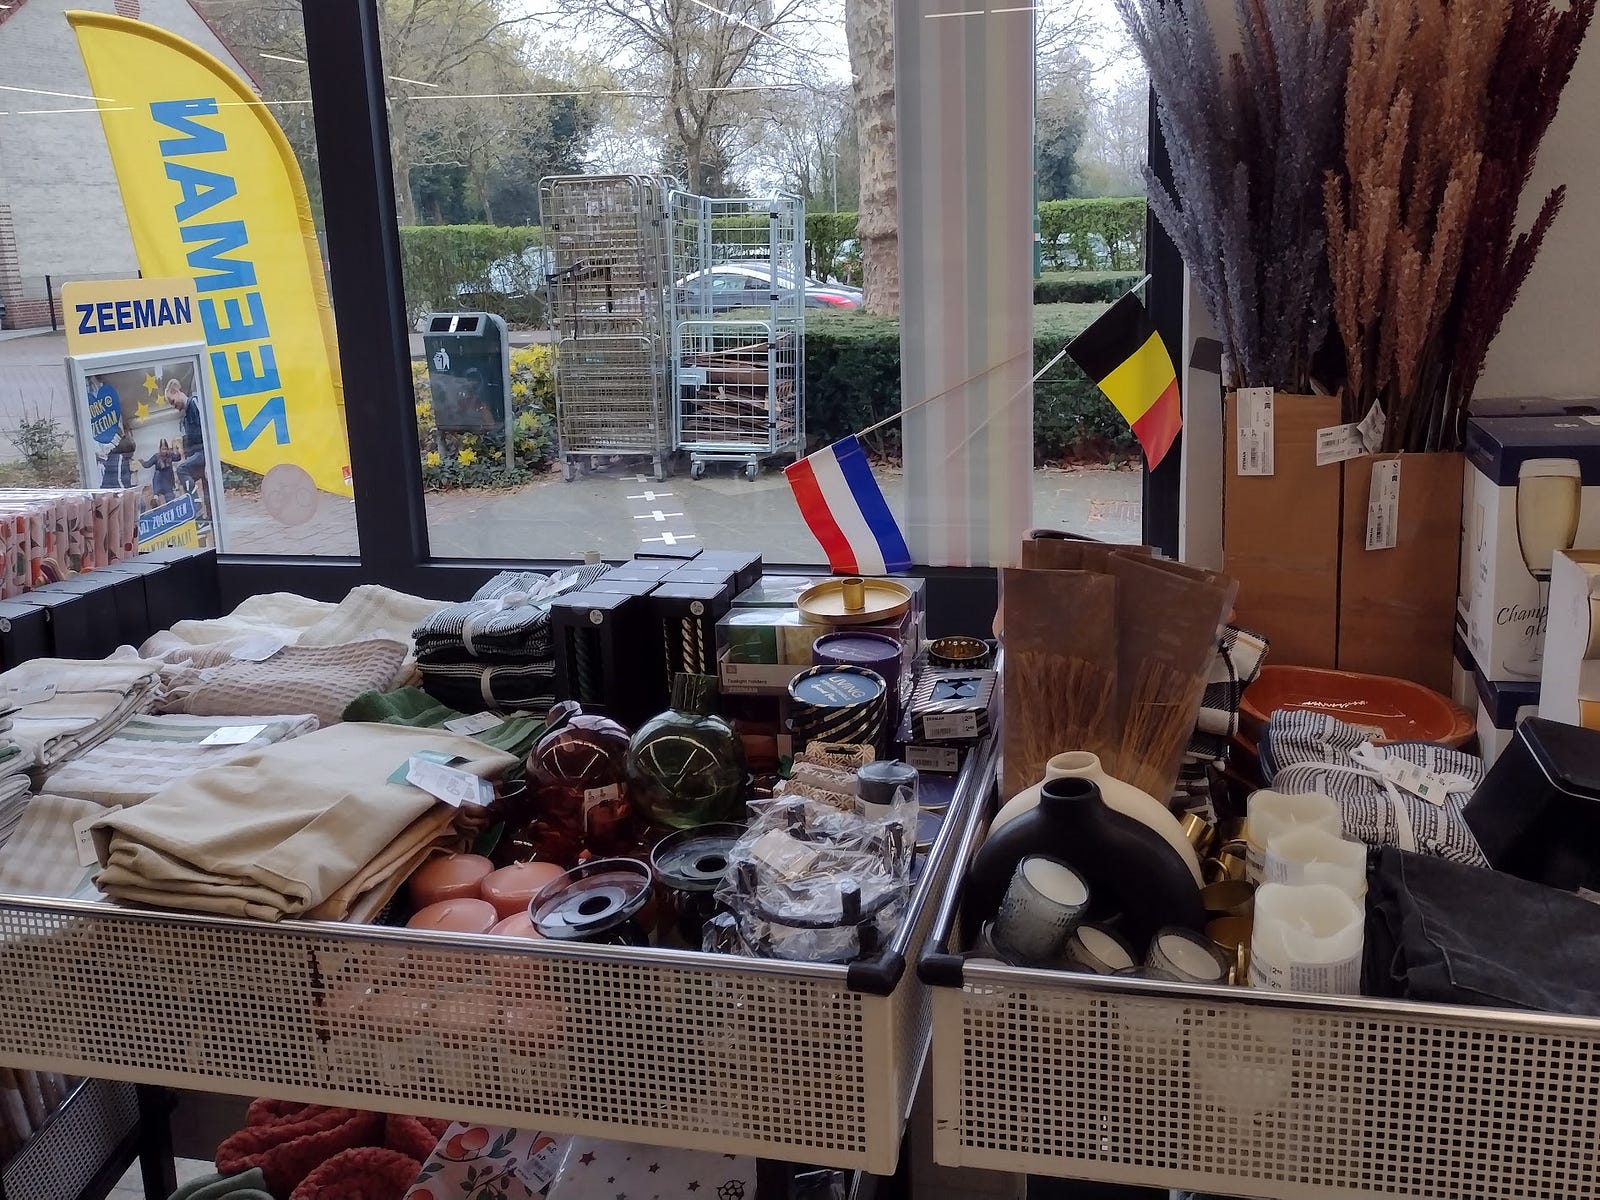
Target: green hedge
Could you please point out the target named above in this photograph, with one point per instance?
(1083, 287)
(447, 268)
(853, 380)
(1093, 234)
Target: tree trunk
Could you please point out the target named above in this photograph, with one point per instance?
(869, 30)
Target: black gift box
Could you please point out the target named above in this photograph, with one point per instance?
(116, 605)
(623, 587)
(654, 570)
(686, 617)
(1537, 813)
(600, 639)
(24, 632)
(79, 625)
(682, 552)
(745, 565)
(180, 584)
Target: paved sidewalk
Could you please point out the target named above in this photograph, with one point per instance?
(619, 513)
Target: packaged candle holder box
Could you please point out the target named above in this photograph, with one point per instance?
(762, 649)
(1571, 677)
(1532, 489)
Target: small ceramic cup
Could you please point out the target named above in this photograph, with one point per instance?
(1044, 901)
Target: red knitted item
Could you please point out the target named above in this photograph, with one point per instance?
(290, 1141)
(416, 1136)
(371, 1173)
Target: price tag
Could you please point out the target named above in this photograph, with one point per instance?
(1372, 427)
(789, 858)
(950, 727)
(1371, 731)
(1383, 505)
(539, 1170)
(24, 696)
(232, 735)
(474, 724)
(593, 798)
(455, 787)
(85, 838)
(1335, 443)
(1419, 781)
(940, 759)
(257, 649)
(1254, 434)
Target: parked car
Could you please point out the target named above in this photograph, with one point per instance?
(733, 285)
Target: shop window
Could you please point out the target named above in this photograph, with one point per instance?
(1091, 145)
(138, 160)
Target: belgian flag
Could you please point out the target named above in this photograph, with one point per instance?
(1124, 355)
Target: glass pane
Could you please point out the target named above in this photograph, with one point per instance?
(1090, 148)
(698, 310)
(126, 156)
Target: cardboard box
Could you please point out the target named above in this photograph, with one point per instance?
(1501, 708)
(1281, 533)
(1551, 464)
(1570, 682)
(1397, 607)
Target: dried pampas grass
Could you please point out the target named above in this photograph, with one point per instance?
(1060, 704)
(1159, 722)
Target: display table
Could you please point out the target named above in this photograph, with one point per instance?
(804, 1063)
(1249, 1093)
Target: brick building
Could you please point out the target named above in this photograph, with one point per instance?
(61, 214)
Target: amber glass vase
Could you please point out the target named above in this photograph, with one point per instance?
(578, 791)
(686, 765)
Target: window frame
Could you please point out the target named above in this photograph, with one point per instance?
(349, 107)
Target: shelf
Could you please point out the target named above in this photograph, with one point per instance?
(68, 1158)
(1249, 1093)
(801, 1062)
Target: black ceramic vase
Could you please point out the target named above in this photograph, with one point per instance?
(1133, 875)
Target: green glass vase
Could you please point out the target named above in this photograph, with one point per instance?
(686, 765)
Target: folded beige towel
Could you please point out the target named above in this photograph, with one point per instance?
(91, 700)
(207, 681)
(371, 611)
(282, 616)
(275, 833)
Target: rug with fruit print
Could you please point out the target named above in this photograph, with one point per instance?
(481, 1162)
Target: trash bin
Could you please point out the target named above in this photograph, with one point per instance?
(469, 374)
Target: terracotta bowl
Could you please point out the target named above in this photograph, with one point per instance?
(1405, 711)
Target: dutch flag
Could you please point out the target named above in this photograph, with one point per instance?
(845, 510)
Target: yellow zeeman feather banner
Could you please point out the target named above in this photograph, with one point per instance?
(213, 193)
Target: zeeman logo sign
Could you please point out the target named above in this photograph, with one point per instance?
(214, 196)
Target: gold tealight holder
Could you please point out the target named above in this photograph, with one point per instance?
(1230, 863)
(1202, 834)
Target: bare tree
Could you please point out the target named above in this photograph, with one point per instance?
(869, 31)
(698, 65)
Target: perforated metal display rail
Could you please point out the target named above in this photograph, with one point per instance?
(61, 1160)
(1247, 1093)
(801, 1062)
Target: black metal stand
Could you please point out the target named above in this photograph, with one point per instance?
(155, 1142)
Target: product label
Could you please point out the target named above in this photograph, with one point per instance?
(24, 696)
(745, 679)
(950, 727)
(940, 759)
(232, 735)
(1419, 781)
(789, 858)
(1372, 428)
(1322, 979)
(593, 798)
(1255, 862)
(257, 649)
(1383, 505)
(1254, 436)
(1335, 443)
(85, 839)
(539, 1170)
(474, 723)
(450, 784)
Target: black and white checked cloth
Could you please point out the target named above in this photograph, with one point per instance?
(508, 620)
(1306, 751)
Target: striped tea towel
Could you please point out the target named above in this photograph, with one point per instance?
(150, 753)
(41, 857)
(1306, 751)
